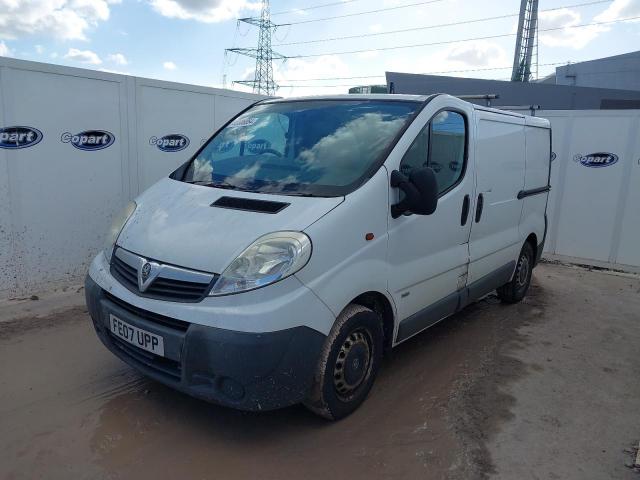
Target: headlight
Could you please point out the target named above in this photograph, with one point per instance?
(116, 227)
(270, 258)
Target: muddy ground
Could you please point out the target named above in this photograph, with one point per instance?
(547, 389)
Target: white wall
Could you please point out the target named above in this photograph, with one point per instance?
(57, 201)
(594, 214)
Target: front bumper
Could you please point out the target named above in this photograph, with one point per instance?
(247, 371)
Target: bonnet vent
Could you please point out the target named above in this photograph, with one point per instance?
(250, 204)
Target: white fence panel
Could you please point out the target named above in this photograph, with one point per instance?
(595, 183)
(58, 195)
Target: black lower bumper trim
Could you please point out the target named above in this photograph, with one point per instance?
(247, 371)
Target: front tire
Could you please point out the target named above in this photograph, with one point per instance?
(517, 288)
(348, 364)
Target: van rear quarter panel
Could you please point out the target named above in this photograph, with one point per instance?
(344, 264)
(537, 160)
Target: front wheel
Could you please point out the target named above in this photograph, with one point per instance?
(516, 289)
(348, 364)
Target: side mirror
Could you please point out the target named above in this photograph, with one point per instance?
(420, 190)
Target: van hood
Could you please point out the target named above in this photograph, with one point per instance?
(176, 224)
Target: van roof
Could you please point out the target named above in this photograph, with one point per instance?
(353, 96)
(529, 120)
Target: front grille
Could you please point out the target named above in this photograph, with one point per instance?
(156, 318)
(164, 366)
(161, 288)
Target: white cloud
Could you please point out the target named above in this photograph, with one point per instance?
(368, 55)
(208, 11)
(320, 67)
(4, 50)
(477, 54)
(62, 19)
(83, 56)
(375, 28)
(39, 49)
(455, 61)
(169, 66)
(299, 69)
(118, 59)
(109, 70)
(620, 9)
(565, 34)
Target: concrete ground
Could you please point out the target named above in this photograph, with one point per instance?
(546, 389)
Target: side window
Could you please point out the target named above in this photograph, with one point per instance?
(440, 145)
(447, 146)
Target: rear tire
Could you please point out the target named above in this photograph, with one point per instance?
(517, 288)
(348, 364)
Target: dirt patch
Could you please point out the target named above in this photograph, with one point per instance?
(479, 403)
(22, 326)
(536, 390)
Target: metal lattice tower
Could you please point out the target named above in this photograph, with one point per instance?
(526, 41)
(263, 82)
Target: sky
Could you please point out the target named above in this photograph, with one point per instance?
(185, 40)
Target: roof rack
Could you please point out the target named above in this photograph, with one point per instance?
(487, 97)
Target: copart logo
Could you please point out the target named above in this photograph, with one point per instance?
(173, 142)
(89, 140)
(19, 137)
(596, 160)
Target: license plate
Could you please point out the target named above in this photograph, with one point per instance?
(136, 336)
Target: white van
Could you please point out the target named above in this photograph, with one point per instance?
(308, 236)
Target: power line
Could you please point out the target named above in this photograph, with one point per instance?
(463, 22)
(313, 7)
(468, 70)
(379, 10)
(449, 71)
(446, 42)
(438, 72)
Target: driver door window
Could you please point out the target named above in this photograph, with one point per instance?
(440, 145)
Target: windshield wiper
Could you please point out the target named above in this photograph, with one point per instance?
(222, 185)
(297, 194)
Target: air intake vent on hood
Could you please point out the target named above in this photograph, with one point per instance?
(249, 204)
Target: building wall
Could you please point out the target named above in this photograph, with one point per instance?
(548, 96)
(619, 72)
(57, 201)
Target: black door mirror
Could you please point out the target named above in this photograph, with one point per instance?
(420, 192)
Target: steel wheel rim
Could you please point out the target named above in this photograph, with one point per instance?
(523, 271)
(353, 363)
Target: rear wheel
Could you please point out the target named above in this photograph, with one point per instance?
(348, 364)
(516, 289)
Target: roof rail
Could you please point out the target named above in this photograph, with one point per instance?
(488, 97)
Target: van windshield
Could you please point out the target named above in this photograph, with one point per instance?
(320, 147)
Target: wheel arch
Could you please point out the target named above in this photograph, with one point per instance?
(381, 304)
(532, 239)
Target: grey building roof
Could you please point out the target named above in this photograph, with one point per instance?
(548, 96)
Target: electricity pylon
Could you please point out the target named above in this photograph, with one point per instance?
(263, 82)
(525, 41)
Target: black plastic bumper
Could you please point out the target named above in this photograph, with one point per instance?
(247, 371)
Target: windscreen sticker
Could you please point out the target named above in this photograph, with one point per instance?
(244, 122)
(258, 145)
(224, 147)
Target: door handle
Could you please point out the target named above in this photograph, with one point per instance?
(479, 207)
(465, 211)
